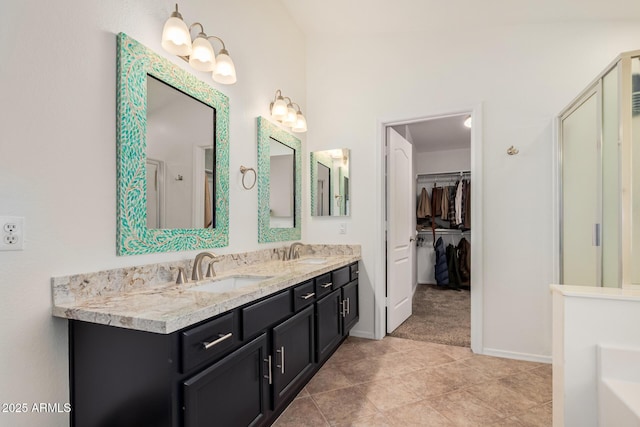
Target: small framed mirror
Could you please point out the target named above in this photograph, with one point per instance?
(330, 191)
(279, 184)
(173, 156)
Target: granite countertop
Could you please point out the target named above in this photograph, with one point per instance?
(167, 307)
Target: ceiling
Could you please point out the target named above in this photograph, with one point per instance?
(446, 133)
(384, 16)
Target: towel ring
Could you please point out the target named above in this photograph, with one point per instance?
(244, 171)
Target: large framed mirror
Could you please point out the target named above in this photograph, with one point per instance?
(329, 182)
(279, 184)
(173, 156)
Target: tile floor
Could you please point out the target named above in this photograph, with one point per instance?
(400, 382)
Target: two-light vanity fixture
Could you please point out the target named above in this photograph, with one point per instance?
(285, 113)
(176, 39)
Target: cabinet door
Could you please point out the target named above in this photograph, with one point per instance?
(232, 392)
(293, 354)
(350, 305)
(329, 323)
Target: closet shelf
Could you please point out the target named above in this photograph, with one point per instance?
(445, 231)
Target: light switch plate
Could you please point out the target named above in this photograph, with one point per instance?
(11, 233)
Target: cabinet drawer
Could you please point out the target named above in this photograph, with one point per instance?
(303, 295)
(261, 315)
(340, 277)
(354, 271)
(323, 285)
(208, 341)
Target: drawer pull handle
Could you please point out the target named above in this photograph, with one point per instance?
(348, 305)
(309, 295)
(268, 360)
(326, 285)
(208, 345)
(281, 365)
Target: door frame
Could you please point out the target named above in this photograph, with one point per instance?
(477, 315)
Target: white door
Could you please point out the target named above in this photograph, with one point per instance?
(400, 229)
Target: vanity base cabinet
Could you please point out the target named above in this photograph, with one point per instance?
(231, 392)
(293, 355)
(350, 306)
(329, 320)
(240, 368)
(121, 377)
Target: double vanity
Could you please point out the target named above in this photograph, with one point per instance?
(234, 349)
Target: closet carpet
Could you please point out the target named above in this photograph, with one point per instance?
(441, 316)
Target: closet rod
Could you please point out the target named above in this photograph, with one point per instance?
(443, 175)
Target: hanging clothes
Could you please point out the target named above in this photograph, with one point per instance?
(466, 222)
(458, 219)
(445, 203)
(441, 267)
(453, 267)
(452, 205)
(436, 197)
(464, 261)
(424, 205)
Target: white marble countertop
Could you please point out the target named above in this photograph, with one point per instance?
(165, 308)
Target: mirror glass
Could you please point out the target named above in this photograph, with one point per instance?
(279, 187)
(330, 192)
(180, 142)
(173, 156)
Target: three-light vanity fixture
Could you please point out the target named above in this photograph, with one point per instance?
(176, 39)
(285, 113)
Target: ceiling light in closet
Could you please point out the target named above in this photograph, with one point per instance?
(467, 122)
(199, 53)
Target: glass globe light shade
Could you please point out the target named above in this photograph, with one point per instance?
(202, 57)
(291, 117)
(279, 109)
(175, 36)
(224, 71)
(301, 123)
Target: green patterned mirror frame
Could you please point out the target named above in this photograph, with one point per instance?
(266, 132)
(134, 62)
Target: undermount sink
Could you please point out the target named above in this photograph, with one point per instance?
(313, 261)
(229, 284)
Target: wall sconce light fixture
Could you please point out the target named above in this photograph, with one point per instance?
(285, 113)
(199, 53)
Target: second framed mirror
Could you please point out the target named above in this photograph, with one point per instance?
(330, 192)
(279, 184)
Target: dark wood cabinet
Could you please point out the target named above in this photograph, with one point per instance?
(350, 306)
(240, 368)
(293, 353)
(329, 321)
(232, 392)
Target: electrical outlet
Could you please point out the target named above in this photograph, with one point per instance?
(343, 228)
(12, 233)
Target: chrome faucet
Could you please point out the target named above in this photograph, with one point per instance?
(294, 251)
(196, 274)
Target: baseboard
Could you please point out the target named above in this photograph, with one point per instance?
(515, 355)
(362, 334)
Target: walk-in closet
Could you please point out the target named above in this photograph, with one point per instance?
(441, 310)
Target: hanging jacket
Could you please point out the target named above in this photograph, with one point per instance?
(464, 261)
(424, 204)
(453, 267)
(441, 268)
